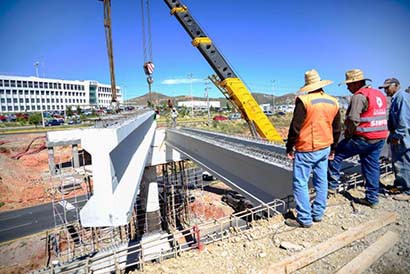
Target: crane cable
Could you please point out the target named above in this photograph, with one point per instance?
(108, 39)
(147, 45)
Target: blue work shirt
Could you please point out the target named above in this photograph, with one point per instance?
(399, 118)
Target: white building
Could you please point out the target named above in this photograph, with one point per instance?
(200, 105)
(20, 94)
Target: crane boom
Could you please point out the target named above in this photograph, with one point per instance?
(236, 90)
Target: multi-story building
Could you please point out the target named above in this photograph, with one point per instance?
(29, 94)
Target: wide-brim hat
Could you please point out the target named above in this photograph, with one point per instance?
(354, 75)
(313, 81)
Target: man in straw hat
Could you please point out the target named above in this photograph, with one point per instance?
(314, 129)
(399, 137)
(365, 134)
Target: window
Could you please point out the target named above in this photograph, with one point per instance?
(20, 92)
(47, 92)
(38, 107)
(13, 83)
(59, 85)
(32, 100)
(57, 100)
(27, 100)
(1, 83)
(2, 100)
(42, 92)
(48, 107)
(24, 84)
(33, 107)
(55, 85)
(26, 92)
(21, 100)
(41, 84)
(8, 100)
(45, 85)
(52, 100)
(14, 92)
(15, 100)
(19, 84)
(30, 84)
(31, 92)
(16, 108)
(6, 83)
(3, 108)
(52, 93)
(44, 107)
(48, 100)
(42, 100)
(35, 84)
(28, 107)
(9, 108)
(38, 100)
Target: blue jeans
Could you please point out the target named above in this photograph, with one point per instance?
(401, 166)
(302, 166)
(369, 157)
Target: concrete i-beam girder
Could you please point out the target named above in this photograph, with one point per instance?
(119, 152)
(257, 179)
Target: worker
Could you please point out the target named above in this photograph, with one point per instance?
(313, 134)
(174, 116)
(399, 137)
(365, 134)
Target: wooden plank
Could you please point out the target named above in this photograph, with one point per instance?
(308, 256)
(365, 259)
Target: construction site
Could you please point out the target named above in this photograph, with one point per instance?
(134, 192)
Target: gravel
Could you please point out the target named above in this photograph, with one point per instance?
(254, 250)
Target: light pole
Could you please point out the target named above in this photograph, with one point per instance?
(273, 96)
(36, 64)
(190, 93)
(207, 87)
(36, 67)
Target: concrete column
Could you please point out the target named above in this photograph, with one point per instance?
(76, 159)
(51, 164)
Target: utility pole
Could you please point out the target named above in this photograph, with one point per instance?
(207, 87)
(190, 75)
(273, 96)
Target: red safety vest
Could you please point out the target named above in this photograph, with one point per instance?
(373, 122)
(317, 132)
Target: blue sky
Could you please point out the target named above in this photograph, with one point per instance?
(262, 40)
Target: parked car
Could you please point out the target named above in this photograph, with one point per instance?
(268, 113)
(220, 118)
(234, 116)
(74, 121)
(54, 122)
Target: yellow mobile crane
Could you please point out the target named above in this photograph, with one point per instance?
(226, 80)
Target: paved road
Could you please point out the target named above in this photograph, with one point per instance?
(19, 223)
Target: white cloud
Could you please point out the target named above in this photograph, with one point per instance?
(181, 81)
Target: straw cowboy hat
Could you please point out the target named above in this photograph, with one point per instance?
(354, 75)
(313, 82)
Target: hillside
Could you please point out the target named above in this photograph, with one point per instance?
(159, 99)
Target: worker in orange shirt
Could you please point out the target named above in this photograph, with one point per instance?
(313, 135)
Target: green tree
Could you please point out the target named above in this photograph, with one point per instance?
(228, 106)
(35, 119)
(69, 111)
(79, 110)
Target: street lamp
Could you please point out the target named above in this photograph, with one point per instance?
(273, 96)
(36, 64)
(190, 93)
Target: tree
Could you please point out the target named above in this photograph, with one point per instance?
(69, 111)
(35, 119)
(228, 106)
(79, 110)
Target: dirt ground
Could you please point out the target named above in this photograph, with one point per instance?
(24, 182)
(254, 250)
